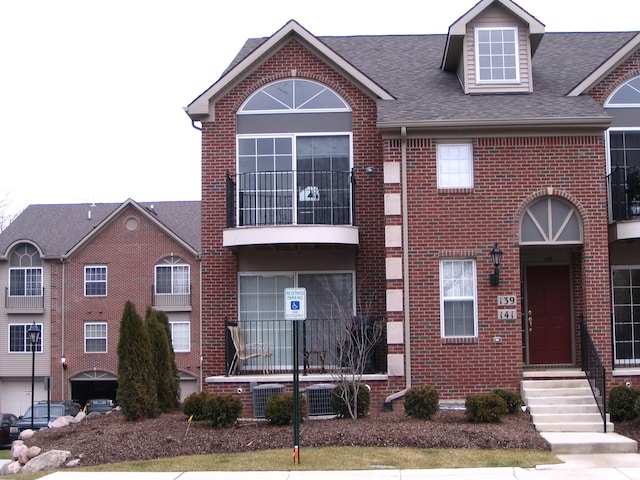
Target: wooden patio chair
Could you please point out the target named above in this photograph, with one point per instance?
(246, 351)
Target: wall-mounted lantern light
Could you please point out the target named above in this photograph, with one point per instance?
(63, 362)
(496, 258)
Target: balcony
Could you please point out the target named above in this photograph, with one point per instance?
(623, 185)
(326, 345)
(171, 302)
(291, 207)
(24, 303)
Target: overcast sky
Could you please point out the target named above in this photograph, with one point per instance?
(92, 92)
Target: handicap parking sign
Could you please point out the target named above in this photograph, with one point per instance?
(295, 303)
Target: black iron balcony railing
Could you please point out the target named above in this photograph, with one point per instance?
(624, 193)
(290, 198)
(595, 371)
(266, 346)
(170, 300)
(23, 302)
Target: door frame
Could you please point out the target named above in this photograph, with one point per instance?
(525, 308)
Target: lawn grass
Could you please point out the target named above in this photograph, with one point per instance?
(330, 458)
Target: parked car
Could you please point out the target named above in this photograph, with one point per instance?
(43, 414)
(6, 420)
(100, 405)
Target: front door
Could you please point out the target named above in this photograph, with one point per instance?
(548, 315)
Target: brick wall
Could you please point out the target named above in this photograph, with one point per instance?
(509, 173)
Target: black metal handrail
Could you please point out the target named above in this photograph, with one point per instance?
(319, 350)
(595, 371)
(290, 198)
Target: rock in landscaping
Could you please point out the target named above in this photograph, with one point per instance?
(50, 460)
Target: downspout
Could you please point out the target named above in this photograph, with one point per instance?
(200, 359)
(62, 312)
(405, 270)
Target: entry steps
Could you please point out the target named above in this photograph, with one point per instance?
(566, 414)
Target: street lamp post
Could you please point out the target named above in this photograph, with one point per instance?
(34, 335)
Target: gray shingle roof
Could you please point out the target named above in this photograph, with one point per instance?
(408, 67)
(56, 229)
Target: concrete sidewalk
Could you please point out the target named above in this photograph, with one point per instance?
(624, 466)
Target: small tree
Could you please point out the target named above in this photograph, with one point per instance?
(174, 376)
(162, 357)
(137, 394)
(351, 342)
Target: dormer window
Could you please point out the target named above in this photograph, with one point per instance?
(497, 55)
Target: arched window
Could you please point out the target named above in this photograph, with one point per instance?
(626, 95)
(25, 271)
(294, 156)
(294, 95)
(550, 220)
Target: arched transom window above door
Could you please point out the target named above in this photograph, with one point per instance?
(550, 220)
(294, 95)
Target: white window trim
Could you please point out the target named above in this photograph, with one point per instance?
(106, 336)
(440, 175)
(11, 269)
(188, 324)
(479, 81)
(172, 266)
(106, 284)
(26, 325)
(474, 298)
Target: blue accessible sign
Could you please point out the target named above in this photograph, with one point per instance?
(295, 303)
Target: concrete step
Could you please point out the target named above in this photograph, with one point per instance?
(555, 383)
(567, 418)
(589, 443)
(586, 427)
(577, 400)
(567, 408)
(557, 392)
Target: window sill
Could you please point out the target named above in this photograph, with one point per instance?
(460, 341)
(455, 190)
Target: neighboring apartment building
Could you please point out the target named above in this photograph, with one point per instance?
(70, 269)
(379, 172)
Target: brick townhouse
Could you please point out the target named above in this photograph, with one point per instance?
(380, 173)
(69, 269)
(476, 193)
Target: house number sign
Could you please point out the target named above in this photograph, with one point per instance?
(506, 300)
(507, 314)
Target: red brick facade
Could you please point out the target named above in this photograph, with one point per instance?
(130, 257)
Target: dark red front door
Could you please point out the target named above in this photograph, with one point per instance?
(548, 316)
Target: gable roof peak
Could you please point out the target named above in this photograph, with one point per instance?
(203, 106)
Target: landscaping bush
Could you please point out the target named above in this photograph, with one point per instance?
(622, 403)
(512, 399)
(223, 410)
(279, 409)
(340, 406)
(196, 405)
(485, 408)
(421, 402)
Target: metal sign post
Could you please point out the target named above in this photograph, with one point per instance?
(295, 309)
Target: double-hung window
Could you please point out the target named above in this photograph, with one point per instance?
(95, 281)
(454, 165)
(19, 338)
(180, 336)
(95, 337)
(458, 303)
(497, 55)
